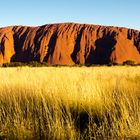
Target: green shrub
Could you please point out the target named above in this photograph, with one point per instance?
(30, 64)
(129, 62)
(112, 64)
(14, 64)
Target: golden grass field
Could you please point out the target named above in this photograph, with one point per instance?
(70, 103)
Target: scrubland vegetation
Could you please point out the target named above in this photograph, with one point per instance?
(70, 103)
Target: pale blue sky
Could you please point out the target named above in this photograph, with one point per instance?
(125, 13)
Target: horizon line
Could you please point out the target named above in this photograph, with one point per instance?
(12, 25)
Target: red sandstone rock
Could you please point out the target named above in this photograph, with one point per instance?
(69, 43)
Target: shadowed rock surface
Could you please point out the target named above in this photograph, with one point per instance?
(69, 44)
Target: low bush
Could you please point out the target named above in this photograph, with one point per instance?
(129, 62)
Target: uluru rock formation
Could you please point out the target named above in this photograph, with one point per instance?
(69, 43)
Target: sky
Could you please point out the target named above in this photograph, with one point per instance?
(122, 13)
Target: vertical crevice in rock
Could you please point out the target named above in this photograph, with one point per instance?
(137, 40)
(51, 46)
(18, 44)
(129, 34)
(77, 46)
(104, 48)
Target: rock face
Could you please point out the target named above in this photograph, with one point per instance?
(69, 44)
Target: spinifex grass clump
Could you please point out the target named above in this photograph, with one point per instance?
(70, 103)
